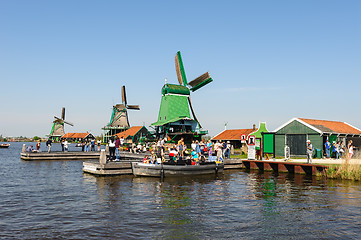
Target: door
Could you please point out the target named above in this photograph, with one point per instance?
(296, 143)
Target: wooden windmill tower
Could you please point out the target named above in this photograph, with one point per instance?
(57, 131)
(174, 119)
(119, 119)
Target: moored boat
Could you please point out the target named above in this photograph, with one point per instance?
(4, 145)
(168, 170)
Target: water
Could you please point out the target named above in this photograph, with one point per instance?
(56, 200)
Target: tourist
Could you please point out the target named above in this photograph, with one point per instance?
(146, 159)
(30, 149)
(173, 153)
(62, 145)
(350, 149)
(210, 148)
(162, 145)
(327, 148)
(335, 149)
(193, 146)
(224, 148)
(341, 149)
(92, 142)
(194, 157)
(83, 145)
(117, 146)
(99, 142)
(218, 149)
(181, 147)
(48, 143)
(38, 146)
(228, 149)
(88, 146)
(198, 149)
(121, 142)
(201, 146)
(309, 152)
(65, 145)
(111, 148)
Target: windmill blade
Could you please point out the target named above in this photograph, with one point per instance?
(124, 96)
(133, 107)
(63, 113)
(181, 75)
(194, 116)
(200, 81)
(62, 121)
(68, 123)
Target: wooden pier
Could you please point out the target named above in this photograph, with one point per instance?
(278, 166)
(37, 156)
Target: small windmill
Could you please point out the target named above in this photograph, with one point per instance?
(119, 119)
(57, 130)
(174, 118)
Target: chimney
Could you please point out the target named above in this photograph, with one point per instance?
(254, 126)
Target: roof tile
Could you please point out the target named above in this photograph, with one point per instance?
(335, 126)
(233, 134)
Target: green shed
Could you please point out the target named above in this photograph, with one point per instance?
(297, 131)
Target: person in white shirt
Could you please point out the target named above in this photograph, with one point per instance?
(66, 145)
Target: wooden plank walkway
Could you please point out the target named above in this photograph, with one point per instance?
(278, 166)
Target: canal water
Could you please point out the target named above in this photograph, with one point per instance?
(56, 200)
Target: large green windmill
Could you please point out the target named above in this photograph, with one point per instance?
(119, 119)
(174, 119)
(57, 131)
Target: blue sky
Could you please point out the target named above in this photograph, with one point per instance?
(270, 61)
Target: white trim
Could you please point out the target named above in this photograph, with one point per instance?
(300, 121)
(352, 126)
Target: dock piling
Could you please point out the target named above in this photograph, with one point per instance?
(102, 157)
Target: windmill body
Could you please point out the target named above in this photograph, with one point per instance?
(119, 119)
(174, 118)
(57, 131)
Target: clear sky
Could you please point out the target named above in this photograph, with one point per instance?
(270, 61)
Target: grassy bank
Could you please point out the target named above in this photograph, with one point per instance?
(349, 171)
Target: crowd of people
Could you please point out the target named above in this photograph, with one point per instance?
(198, 153)
(337, 149)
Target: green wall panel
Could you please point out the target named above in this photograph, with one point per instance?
(296, 127)
(280, 145)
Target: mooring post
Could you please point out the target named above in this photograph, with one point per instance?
(24, 148)
(107, 149)
(102, 157)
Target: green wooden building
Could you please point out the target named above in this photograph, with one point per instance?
(297, 131)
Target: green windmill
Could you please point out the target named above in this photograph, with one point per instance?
(57, 131)
(174, 118)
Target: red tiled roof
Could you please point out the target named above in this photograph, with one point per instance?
(130, 132)
(75, 135)
(233, 134)
(334, 126)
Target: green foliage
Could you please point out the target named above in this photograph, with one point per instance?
(344, 171)
(36, 138)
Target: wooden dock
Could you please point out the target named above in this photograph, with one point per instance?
(281, 166)
(37, 156)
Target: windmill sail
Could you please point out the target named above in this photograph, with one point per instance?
(194, 115)
(200, 81)
(181, 75)
(63, 113)
(124, 96)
